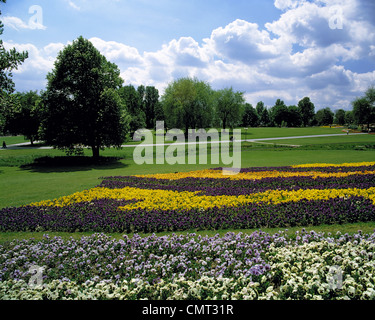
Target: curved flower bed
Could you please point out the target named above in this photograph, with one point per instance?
(255, 198)
(236, 266)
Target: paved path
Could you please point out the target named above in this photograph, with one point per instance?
(27, 145)
(251, 140)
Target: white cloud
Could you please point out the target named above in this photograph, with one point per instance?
(18, 24)
(335, 76)
(244, 41)
(287, 4)
(52, 49)
(15, 23)
(117, 52)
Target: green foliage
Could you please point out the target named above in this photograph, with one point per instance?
(82, 107)
(349, 118)
(188, 104)
(133, 100)
(265, 118)
(294, 117)
(307, 110)
(230, 107)
(340, 117)
(362, 111)
(9, 60)
(324, 116)
(364, 108)
(24, 115)
(250, 117)
(279, 113)
(152, 107)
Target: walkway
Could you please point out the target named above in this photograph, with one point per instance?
(27, 145)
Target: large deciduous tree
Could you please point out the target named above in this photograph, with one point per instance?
(364, 108)
(230, 106)
(340, 117)
(279, 112)
(324, 116)
(188, 104)
(82, 106)
(307, 110)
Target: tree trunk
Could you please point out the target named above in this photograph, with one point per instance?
(224, 122)
(95, 152)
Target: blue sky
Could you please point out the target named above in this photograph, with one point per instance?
(270, 49)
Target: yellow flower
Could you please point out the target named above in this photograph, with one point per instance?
(174, 200)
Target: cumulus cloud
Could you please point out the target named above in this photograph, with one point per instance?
(336, 76)
(119, 52)
(31, 74)
(18, 24)
(244, 41)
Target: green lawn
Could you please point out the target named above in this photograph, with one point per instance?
(13, 140)
(22, 183)
(344, 139)
(365, 227)
(258, 133)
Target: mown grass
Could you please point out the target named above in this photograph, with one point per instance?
(13, 140)
(364, 227)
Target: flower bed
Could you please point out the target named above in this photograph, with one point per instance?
(236, 266)
(255, 198)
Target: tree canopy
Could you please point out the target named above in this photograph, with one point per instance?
(364, 108)
(250, 116)
(324, 116)
(23, 116)
(82, 106)
(307, 110)
(188, 104)
(279, 112)
(230, 107)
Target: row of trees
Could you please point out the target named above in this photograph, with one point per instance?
(187, 103)
(292, 116)
(190, 103)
